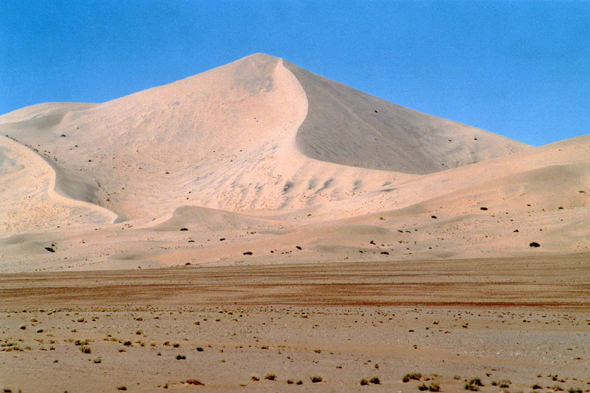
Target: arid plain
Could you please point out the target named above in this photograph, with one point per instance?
(258, 221)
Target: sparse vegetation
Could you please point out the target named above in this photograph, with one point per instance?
(316, 379)
(505, 383)
(363, 382)
(475, 381)
(270, 377)
(85, 349)
(410, 376)
(473, 384)
(375, 380)
(180, 357)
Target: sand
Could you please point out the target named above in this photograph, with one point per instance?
(309, 228)
(493, 319)
(270, 157)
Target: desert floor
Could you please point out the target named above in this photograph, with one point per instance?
(522, 320)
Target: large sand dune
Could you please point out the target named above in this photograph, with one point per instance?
(284, 166)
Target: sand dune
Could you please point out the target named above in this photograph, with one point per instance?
(283, 165)
(348, 127)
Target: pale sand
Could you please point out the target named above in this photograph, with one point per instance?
(271, 157)
(380, 220)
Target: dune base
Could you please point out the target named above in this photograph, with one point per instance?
(451, 321)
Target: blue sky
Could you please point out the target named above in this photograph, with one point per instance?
(516, 68)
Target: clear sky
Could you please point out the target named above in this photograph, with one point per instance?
(516, 68)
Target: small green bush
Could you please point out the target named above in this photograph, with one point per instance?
(505, 383)
(410, 376)
(475, 381)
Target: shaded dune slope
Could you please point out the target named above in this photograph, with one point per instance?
(349, 127)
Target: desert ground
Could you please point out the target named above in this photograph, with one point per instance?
(502, 319)
(258, 227)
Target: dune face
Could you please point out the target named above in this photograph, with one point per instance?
(260, 161)
(346, 126)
